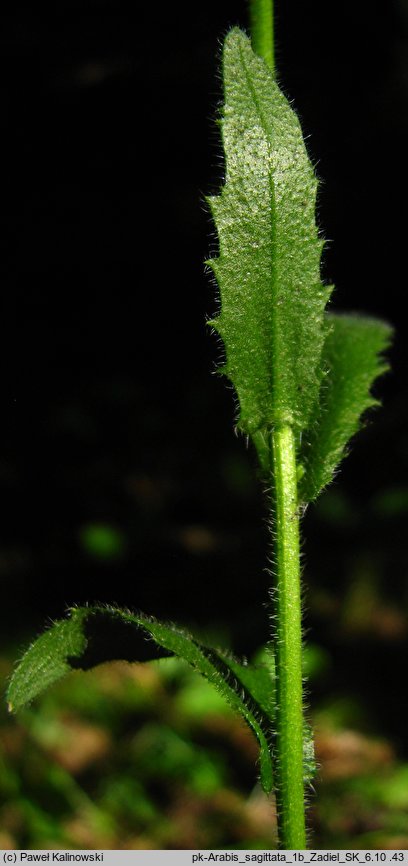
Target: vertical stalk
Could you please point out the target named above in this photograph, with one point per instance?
(262, 30)
(289, 731)
(289, 742)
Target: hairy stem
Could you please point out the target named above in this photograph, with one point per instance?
(290, 733)
(262, 30)
(289, 743)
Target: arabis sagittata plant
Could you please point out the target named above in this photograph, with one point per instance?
(302, 377)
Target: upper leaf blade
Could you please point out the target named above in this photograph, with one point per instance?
(96, 634)
(352, 357)
(268, 268)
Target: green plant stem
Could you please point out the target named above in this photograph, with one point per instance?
(289, 732)
(262, 30)
(289, 741)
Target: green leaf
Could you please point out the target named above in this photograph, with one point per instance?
(97, 634)
(352, 357)
(268, 269)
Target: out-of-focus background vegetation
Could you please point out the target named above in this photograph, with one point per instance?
(121, 478)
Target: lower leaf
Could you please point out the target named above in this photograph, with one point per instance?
(92, 635)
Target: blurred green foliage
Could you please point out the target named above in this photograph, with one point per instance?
(391, 502)
(102, 541)
(150, 756)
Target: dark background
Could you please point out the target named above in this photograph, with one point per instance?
(111, 418)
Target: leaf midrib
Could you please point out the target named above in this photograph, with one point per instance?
(273, 257)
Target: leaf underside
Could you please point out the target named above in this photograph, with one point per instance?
(91, 635)
(290, 362)
(268, 268)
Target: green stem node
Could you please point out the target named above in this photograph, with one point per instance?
(290, 733)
